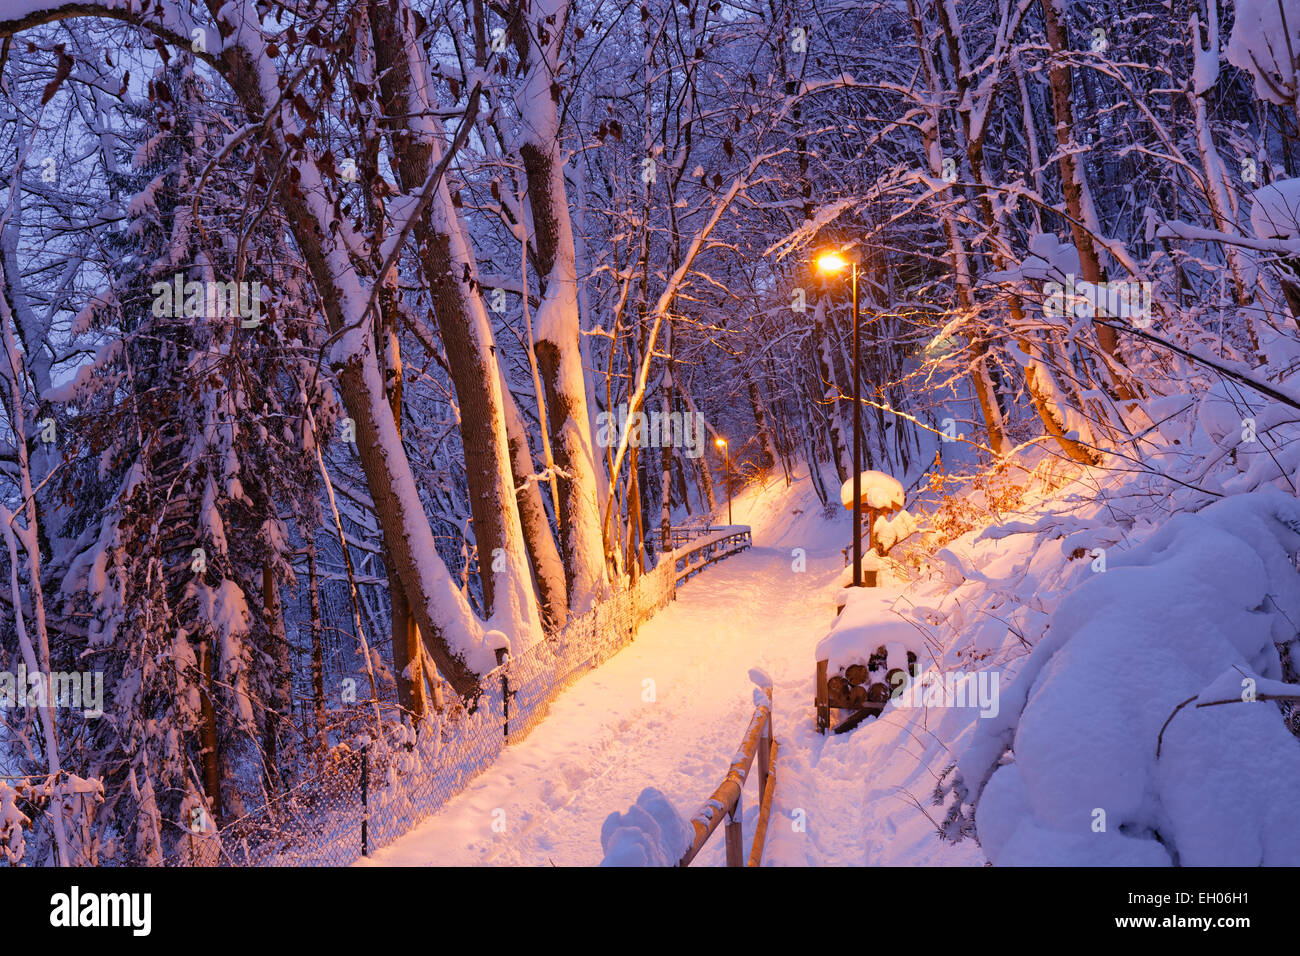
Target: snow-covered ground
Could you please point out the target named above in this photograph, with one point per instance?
(669, 711)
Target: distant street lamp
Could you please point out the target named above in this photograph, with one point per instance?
(726, 452)
(833, 263)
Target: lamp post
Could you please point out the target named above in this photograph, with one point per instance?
(833, 263)
(726, 452)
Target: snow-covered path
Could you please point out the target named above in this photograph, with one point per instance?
(669, 710)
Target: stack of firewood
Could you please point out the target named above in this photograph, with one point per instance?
(859, 686)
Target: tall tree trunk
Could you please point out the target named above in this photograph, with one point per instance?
(407, 660)
(280, 703)
(837, 430)
(441, 610)
(762, 432)
(666, 457)
(1040, 382)
(209, 755)
(446, 258)
(1074, 181)
(537, 36)
(981, 380)
(543, 556)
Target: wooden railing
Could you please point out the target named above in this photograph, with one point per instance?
(706, 546)
(680, 536)
(726, 800)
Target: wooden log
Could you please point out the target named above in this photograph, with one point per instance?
(857, 674)
(878, 660)
(871, 710)
(839, 694)
(895, 680)
(878, 693)
(858, 697)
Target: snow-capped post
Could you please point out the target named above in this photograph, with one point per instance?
(763, 682)
(880, 495)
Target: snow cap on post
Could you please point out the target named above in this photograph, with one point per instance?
(879, 491)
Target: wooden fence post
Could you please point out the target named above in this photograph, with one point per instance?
(823, 698)
(735, 835)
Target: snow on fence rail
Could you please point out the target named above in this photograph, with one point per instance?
(372, 792)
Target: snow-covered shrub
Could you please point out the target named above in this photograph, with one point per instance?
(12, 821)
(965, 503)
(1090, 760)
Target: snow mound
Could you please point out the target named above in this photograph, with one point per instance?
(1208, 592)
(868, 622)
(651, 833)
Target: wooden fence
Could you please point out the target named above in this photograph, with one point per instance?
(707, 546)
(726, 800)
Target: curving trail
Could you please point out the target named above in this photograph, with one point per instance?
(668, 711)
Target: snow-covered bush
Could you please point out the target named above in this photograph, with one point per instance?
(12, 821)
(1090, 760)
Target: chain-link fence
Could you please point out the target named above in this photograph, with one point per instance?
(373, 795)
(368, 795)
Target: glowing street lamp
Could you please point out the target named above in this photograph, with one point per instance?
(832, 263)
(721, 444)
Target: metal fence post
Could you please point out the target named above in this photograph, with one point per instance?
(365, 799)
(505, 692)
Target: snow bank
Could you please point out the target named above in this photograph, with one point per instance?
(651, 833)
(1068, 772)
